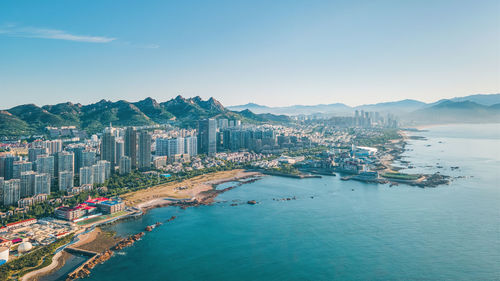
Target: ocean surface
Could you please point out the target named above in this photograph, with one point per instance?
(336, 230)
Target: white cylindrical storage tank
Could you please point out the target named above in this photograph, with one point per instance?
(4, 253)
(24, 247)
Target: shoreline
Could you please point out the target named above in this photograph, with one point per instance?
(196, 191)
(394, 150)
(205, 197)
(58, 261)
(202, 196)
(199, 190)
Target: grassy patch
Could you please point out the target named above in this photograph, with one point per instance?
(400, 176)
(103, 217)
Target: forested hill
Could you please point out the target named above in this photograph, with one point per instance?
(31, 119)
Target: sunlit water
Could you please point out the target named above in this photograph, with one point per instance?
(336, 229)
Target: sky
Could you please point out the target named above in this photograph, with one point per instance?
(275, 53)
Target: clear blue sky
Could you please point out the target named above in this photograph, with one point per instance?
(268, 52)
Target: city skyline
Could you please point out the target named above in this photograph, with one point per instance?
(274, 54)
(249, 140)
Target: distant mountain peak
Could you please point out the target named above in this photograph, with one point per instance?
(197, 99)
(149, 101)
(103, 101)
(215, 103)
(179, 98)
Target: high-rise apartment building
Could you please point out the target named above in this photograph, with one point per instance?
(223, 124)
(42, 184)
(65, 180)
(191, 145)
(78, 154)
(119, 150)
(207, 139)
(125, 165)
(11, 192)
(27, 184)
(34, 152)
(130, 144)
(45, 164)
(20, 167)
(7, 166)
(53, 146)
(86, 175)
(88, 158)
(101, 171)
(144, 151)
(65, 161)
(108, 147)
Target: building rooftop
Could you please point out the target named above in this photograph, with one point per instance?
(111, 203)
(96, 200)
(18, 222)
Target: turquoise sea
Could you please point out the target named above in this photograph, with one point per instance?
(336, 230)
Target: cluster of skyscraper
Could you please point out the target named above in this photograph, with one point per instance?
(230, 135)
(21, 178)
(177, 146)
(364, 119)
(371, 119)
(50, 167)
(129, 148)
(205, 142)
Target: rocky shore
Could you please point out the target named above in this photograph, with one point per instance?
(128, 241)
(207, 197)
(153, 226)
(84, 270)
(202, 191)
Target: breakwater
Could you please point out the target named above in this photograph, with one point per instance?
(97, 258)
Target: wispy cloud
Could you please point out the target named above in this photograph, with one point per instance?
(46, 33)
(140, 46)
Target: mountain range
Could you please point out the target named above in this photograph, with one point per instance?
(31, 119)
(454, 111)
(401, 107)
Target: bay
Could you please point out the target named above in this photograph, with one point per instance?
(336, 229)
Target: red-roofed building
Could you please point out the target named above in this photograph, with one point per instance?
(19, 224)
(95, 201)
(78, 211)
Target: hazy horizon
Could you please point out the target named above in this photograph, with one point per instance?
(271, 53)
(230, 105)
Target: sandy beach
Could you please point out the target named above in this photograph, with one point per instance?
(58, 261)
(168, 193)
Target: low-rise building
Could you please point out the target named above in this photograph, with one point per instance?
(19, 224)
(70, 214)
(30, 201)
(82, 188)
(111, 206)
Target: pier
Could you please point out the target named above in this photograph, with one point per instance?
(77, 251)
